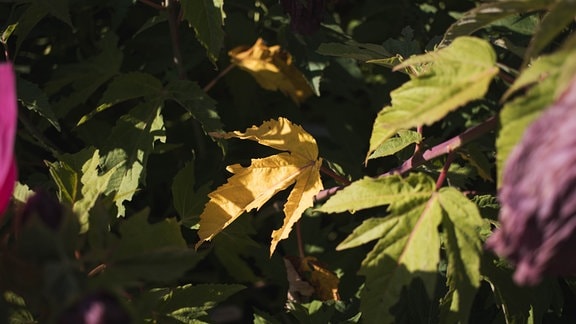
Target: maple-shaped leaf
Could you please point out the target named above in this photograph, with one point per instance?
(250, 187)
(273, 69)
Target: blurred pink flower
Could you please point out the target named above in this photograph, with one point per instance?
(8, 123)
(538, 197)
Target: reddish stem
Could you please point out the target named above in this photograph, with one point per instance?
(444, 172)
(153, 4)
(212, 83)
(445, 147)
(300, 241)
(340, 179)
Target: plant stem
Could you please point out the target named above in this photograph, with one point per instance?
(420, 158)
(444, 172)
(152, 4)
(212, 83)
(445, 147)
(175, 37)
(299, 240)
(340, 179)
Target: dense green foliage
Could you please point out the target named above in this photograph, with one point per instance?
(415, 108)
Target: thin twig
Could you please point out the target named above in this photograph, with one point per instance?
(299, 240)
(432, 153)
(444, 173)
(175, 37)
(153, 4)
(340, 179)
(212, 83)
(98, 269)
(445, 147)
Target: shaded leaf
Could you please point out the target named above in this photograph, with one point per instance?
(461, 225)
(487, 13)
(273, 69)
(250, 187)
(33, 98)
(190, 97)
(187, 202)
(561, 14)
(87, 77)
(446, 80)
(125, 87)
(207, 18)
(134, 255)
(365, 52)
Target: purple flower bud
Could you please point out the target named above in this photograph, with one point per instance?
(8, 123)
(96, 308)
(44, 206)
(305, 15)
(538, 197)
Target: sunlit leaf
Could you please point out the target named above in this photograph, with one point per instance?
(79, 182)
(445, 80)
(130, 143)
(250, 187)
(273, 69)
(396, 144)
(410, 250)
(546, 78)
(370, 192)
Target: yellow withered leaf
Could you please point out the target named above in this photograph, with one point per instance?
(273, 69)
(250, 187)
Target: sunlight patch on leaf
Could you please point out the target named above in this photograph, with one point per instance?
(396, 144)
(444, 81)
(250, 187)
(369, 192)
(273, 69)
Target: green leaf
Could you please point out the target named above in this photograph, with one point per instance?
(143, 251)
(547, 77)
(461, 230)
(189, 203)
(370, 230)
(408, 251)
(396, 144)
(446, 80)
(125, 87)
(487, 13)
(197, 299)
(87, 77)
(520, 304)
(369, 192)
(365, 52)
(207, 18)
(33, 98)
(561, 14)
(130, 143)
(58, 9)
(478, 161)
(79, 182)
(190, 97)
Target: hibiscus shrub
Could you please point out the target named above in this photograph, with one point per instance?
(287, 161)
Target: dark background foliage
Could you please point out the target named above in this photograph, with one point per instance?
(68, 56)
